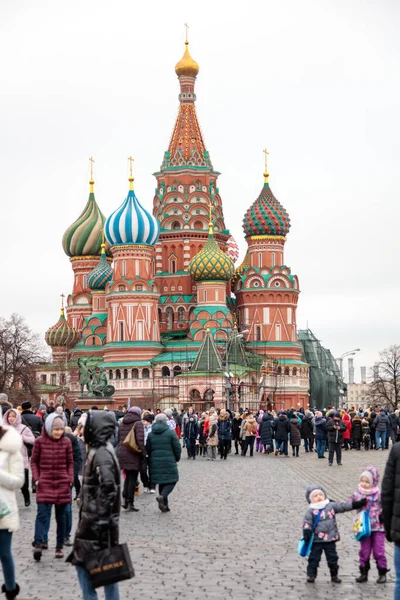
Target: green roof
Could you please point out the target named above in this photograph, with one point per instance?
(175, 357)
(285, 361)
(208, 358)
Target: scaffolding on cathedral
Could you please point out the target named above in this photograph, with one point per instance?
(324, 371)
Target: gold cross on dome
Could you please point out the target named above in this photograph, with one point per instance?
(266, 158)
(62, 300)
(187, 33)
(210, 206)
(130, 165)
(91, 166)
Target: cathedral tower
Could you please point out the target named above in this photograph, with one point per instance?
(132, 296)
(186, 183)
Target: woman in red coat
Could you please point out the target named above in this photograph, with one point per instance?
(53, 472)
(346, 434)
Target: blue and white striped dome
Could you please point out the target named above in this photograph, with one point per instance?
(131, 224)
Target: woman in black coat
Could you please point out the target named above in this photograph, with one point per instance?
(265, 432)
(128, 460)
(236, 425)
(100, 498)
(295, 435)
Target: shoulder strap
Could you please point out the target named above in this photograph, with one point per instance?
(316, 520)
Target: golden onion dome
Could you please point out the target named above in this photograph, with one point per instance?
(211, 263)
(62, 334)
(187, 66)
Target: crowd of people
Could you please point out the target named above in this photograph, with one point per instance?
(105, 455)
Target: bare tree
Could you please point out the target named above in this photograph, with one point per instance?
(385, 387)
(20, 351)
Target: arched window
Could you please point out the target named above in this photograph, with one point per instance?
(175, 225)
(181, 314)
(170, 318)
(121, 288)
(294, 372)
(117, 374)
(258, 333)
(279, 371)
(160, 315)
(125, 373)
(110, 374)
(93, 341)
(198, 225)
(165, 372)
(146, 374)
(177, 370)
(121, 331)
(135, 374)
(286, 370)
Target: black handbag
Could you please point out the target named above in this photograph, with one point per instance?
(110, 565)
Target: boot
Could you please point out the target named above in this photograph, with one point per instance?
(131, 507)
(363, 574)
(125, 504)
(334, 574)
(37, 553)
(161, 504)
(382, 575)
(10, 594)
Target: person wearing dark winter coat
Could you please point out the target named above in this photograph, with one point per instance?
(236, 425)
(164, 452)
(282, 428)
(34, 422)
(307, 431)
(76, 415)
(356, 430)
(390, 498)
(335, 428)
(128, 460)
(371, 421)
(191, 433)
(320, 433)
(265, 431)
(295, 435)
(224, 433)
(100, 507)
(77, 458)
(53, 472)
(381, 424)
(326, 532)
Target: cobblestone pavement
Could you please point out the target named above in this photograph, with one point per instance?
(232, 533)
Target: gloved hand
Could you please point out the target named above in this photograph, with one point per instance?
(307, 533)
(359, 503)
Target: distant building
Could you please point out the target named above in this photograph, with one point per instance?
(357, 395)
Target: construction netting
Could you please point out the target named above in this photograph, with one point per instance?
(324, 371)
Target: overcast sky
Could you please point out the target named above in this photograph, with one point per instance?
(316, 82)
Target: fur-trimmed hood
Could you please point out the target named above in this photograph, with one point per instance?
(11, 441)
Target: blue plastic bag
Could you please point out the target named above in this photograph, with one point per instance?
(303, 547)
(362, 526)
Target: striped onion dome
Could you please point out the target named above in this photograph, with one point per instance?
(131, 223)
(211, 263)
(83, 237)
(266, 216)
(62, 334)
(101, 274)
(233, 249)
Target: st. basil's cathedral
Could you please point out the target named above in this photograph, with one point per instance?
(157, 303)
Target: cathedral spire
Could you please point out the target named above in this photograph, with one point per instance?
(186, 147)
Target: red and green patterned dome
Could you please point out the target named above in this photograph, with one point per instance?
(266, 216)
(62, 334)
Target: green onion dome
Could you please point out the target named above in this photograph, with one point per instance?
(101, 274)
(83, 237)
(62, 334)
(266, 216)
(211, 263)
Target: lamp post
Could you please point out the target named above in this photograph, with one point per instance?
(340, 359)
(348, 353)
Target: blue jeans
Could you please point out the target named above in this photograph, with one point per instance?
(397, 569)
(282, 447)
(320, 447)
(89, 593)
(42, 523)
(68, 520)
(6, 559)
(380, 438)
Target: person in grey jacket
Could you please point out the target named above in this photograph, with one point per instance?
(326, 533)
(381, 425)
